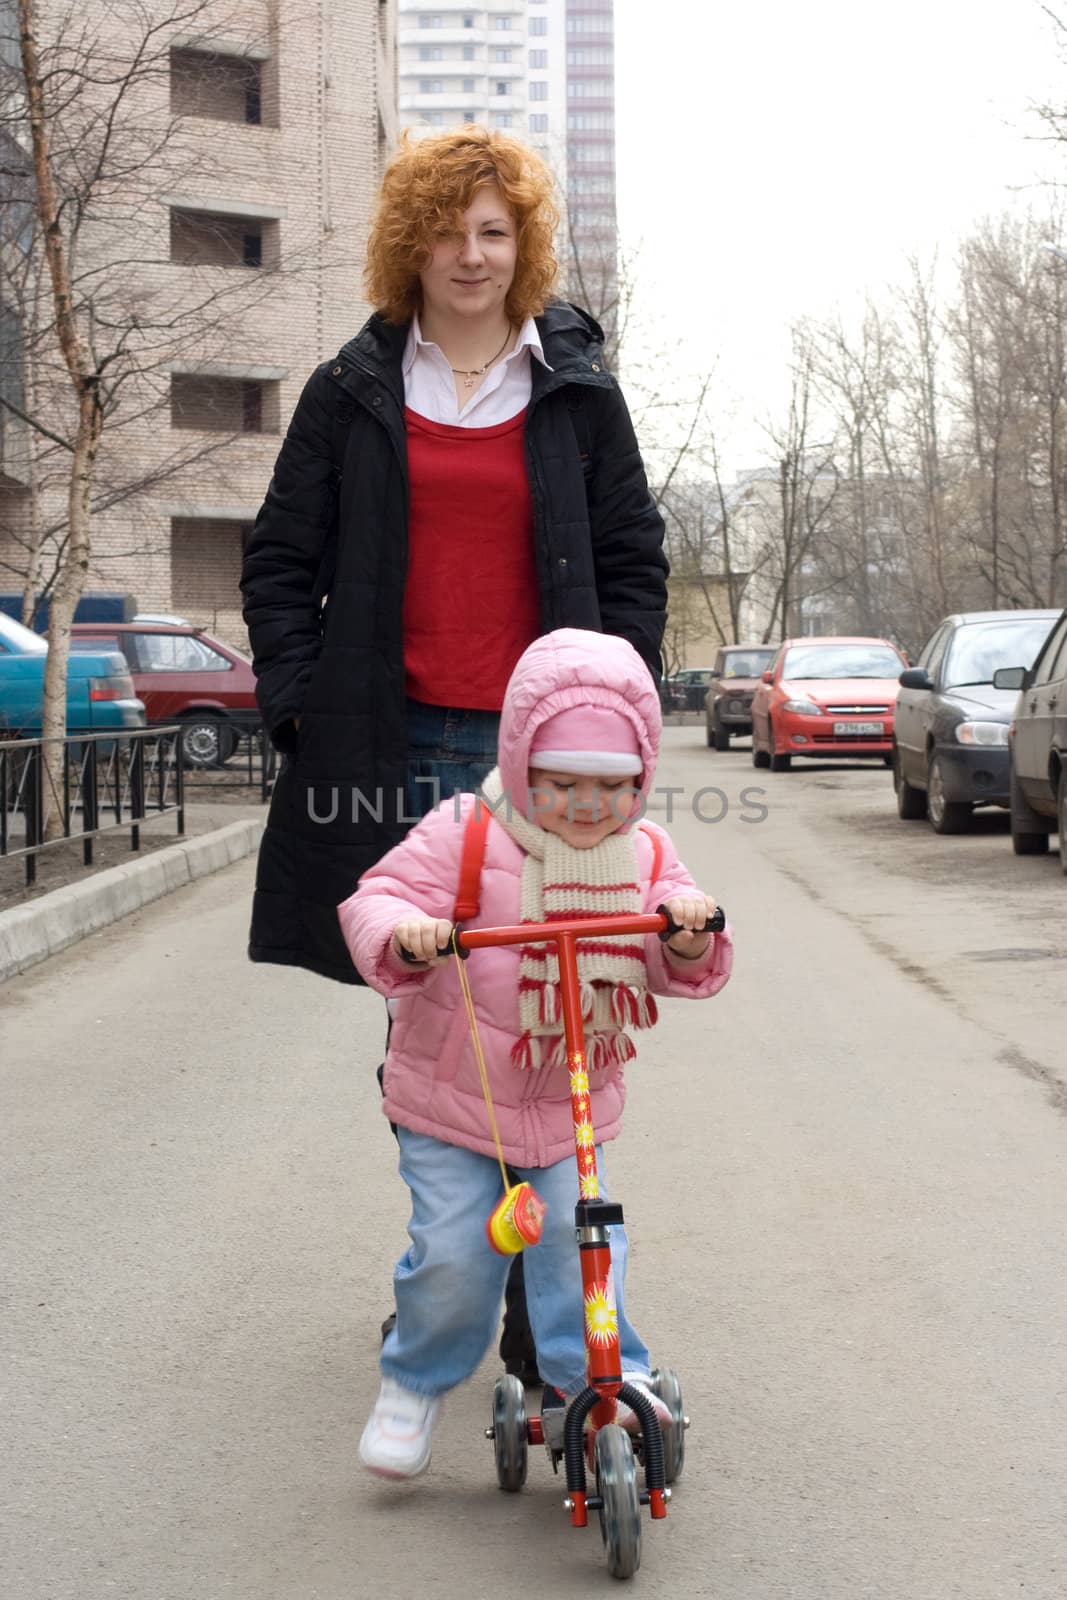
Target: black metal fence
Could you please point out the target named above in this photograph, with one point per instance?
(54, 791)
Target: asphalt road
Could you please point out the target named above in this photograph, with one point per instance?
(845, 1178)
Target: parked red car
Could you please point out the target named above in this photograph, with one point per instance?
(183, 675)
(826, 697)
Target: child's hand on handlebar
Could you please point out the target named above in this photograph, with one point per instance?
(690, 912)
(423, 937)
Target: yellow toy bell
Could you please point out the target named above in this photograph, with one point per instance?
(516, 1220)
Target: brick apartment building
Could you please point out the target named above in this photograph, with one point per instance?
(545, 71)
(260, 212)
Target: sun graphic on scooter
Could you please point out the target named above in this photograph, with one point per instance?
(579, 1078)
(601, 1317)
(584, 1135)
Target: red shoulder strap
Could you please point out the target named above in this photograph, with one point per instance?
(470, 865)
(657, 851)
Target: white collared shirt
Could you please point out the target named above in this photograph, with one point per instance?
(429, 385)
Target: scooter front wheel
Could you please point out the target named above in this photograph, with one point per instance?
(509, 1434)
(620, 1509)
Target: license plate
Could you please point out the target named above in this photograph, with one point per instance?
(842, 730)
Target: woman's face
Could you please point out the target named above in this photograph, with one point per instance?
(470, 272)
(581, 810)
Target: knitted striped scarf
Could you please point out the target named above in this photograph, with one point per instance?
(559, 881)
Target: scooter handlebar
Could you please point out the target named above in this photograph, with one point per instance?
(714, 924)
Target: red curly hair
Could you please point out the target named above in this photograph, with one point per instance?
(427, 187)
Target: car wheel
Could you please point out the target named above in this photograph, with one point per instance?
(946, 816)
(778, 763)
(207, 741)
(722, 737)
(911, 803)
(709, 733)
(1029, 830)
(1061, 817)
(760, 758)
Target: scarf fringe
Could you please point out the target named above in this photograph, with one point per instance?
(603, 1050)
(522, 1053)
(632, 1006)
(621, 1004)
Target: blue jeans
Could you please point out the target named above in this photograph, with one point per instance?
(449, 750)
(450, 1282)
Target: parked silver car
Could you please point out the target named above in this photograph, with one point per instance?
(1037, 747)
(950, 743)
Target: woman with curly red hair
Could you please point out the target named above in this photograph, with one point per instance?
(460, 479)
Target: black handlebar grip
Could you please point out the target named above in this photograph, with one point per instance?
(413, 961)
(446, 950)
(714, 924)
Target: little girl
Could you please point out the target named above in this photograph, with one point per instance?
(579, 737)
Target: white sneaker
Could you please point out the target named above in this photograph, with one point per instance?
(396, 1441)
(629, 1419)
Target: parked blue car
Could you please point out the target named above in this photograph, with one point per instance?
(100, 693)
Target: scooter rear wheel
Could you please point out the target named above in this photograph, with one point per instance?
(666, 1387)
(509, 1434)
(620, 1509)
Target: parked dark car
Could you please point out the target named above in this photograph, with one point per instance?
(100, 691)
(685, 690)
(736, 671)
(184, 675)
(950, 747)
(1037, 747)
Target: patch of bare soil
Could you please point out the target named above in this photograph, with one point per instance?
(61, 864)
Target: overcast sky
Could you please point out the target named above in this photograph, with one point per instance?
(777, 158)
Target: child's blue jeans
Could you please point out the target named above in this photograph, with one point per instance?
(450, 1283)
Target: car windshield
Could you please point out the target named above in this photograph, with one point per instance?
(841, 661)
(21, 641)
(981, 648)
(746, 663)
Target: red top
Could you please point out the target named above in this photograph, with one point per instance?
(471, 600)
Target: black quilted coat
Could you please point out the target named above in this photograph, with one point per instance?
(323, 586)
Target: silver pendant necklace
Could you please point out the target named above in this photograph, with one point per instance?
(480, 372)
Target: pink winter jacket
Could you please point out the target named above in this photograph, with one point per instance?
(431, 1074)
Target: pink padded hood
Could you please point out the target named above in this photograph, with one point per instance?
(569, 669)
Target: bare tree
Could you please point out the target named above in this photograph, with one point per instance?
(1008, 338)
(910, 427)
(596, 275)
(806, 485)
(1053, 116)
(700, 588)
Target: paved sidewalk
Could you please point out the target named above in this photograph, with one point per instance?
(42, 927)
(847, 1211)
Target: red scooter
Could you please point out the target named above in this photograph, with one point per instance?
(586, 1433)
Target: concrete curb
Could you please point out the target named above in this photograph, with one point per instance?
(33, 932)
